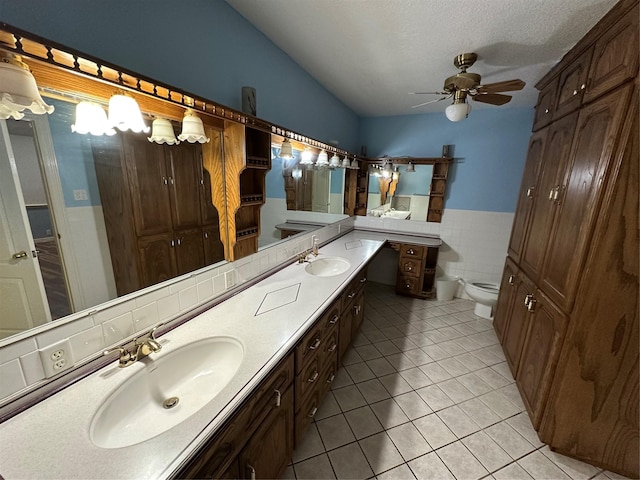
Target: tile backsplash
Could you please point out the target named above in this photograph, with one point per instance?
(94, 330)
(474, 246)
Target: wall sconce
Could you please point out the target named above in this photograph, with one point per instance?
(306, 158)
(192, 128)
(162, 132)
(323, 159)
(335, 161)
(91, 119)
(296, 173)
(124, 114)
(286, 151)
(18, 89)
(410, 168)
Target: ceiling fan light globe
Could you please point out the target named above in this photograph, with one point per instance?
(457, 111)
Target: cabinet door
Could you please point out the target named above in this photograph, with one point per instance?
(540, 355)
(346, 327)
(213, 248)
(573, 82)
(615, 57)
(157, 258)
(209, 211)
(148, 183)
(545, 105)
(553, 164)
(508, 289)
(529, 189)
(268, 452)
(518, 324)
(358, 313)
(595, 138)
(189, 248)
(185, 174)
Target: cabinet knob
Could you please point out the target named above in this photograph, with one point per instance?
(315, 344)
(356, 309)
(575, 92)
(334, 320)
(530, 191)
(313, 377)
(332, 348)
(532, 304)
(331, 378)
(511, 279)
(364, 279)
(408, 285)
(312, 413)
(411, 251)
(408, 267)
(351, 295)
(546, 110)
(583, 86)
(278, 396)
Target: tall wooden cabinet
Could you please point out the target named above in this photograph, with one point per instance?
(567, 314)
(157, 208)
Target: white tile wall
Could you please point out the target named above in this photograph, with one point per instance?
(94, 331)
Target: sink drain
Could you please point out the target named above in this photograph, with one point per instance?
(170, 402)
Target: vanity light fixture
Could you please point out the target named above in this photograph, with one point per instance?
(286, 151)
(387, 170)
(296, 173)
(162, 132)
(410, 168)
(124, 114)
(323, 159)
(18, 89)
(192, 128)
(306, 158)
(335, 161)
(91, 118)
(354, 164)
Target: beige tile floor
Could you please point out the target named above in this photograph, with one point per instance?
(425, 393)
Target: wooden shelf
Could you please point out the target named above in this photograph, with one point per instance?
(258, 163)
(247, 232)
(251, 199)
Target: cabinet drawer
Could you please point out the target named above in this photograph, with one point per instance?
(413, 251)
(307, 380)
(330, 318)
(410, 266)
(352, 290)
(330, 347)
(305, 415)
(310, 345)
(408, 285)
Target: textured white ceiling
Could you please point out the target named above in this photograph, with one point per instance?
(372, 53)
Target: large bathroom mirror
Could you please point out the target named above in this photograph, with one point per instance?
(77, 247)
(400, 191)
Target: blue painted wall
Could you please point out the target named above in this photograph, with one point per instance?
(202, 46)
(490, 151)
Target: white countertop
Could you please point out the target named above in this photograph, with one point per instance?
(52, 440)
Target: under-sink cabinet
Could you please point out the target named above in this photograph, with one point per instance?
(258, 440)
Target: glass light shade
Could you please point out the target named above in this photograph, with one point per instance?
(18, 89)
(162, 132)
(124, 114)
(345, 162)
(410, 168)
(286, 151)
(387, 170)
(354, 164)
(335, 161)
(323, 159)
(296, 173)
(457, 111)
(91, 118)
(306, 158)
(192, 129)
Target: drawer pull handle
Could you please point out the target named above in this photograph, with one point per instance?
(331, 378)
(408, 267)
(411, 251)
(364, 279)
(315, 345)
(314, 377)
(531, 306)
(527, 299)
(334, 320)
(356, 309)
(278, 397)
(332, 348)
(313, 412)
(530, 191)
(351, 295)
(252, 472)
(511, 279)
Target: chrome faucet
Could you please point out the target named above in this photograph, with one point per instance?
(142, 347)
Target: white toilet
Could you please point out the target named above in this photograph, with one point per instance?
(485, 294)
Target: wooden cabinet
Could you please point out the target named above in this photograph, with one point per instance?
(546, 105)
(156, 210)
(352, 312)
(356, 189)
(567, 314)
(247, 159)
(416, 269)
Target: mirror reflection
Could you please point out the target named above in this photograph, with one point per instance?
(101, 216)
(299, 197)
(397, 192)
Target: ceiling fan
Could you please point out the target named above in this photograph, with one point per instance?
(466, 84)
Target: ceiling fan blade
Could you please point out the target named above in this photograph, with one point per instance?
(506, 86)
(427, 93)
(432, 101)
(492, 98)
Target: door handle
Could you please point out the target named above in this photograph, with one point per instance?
(19, 255)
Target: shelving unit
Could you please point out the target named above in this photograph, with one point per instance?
(438, 189)
(356, 188)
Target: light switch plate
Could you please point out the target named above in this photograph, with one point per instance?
(229, 279)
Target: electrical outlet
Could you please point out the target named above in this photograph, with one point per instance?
(56, 358)
(80, 195)
(229, 279)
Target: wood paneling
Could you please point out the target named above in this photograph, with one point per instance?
(504, 306)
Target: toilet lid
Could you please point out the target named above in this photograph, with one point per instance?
(486, 286)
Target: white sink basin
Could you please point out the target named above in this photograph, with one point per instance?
(328, 266)
(171, 388)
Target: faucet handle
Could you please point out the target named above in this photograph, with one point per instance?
(152, 333)
(126, 357)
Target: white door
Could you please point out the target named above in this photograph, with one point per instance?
(23, 302)
(320, 190)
